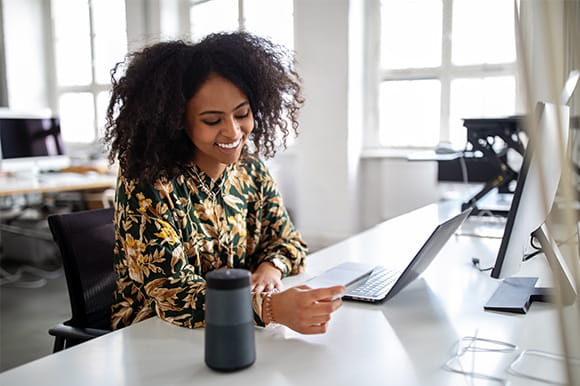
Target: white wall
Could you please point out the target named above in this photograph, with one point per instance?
(391, 187)
(324, 193)
(339, 193)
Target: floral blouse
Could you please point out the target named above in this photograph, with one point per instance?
(169, 235)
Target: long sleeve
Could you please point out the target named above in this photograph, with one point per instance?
(279, 242)
(151, 260)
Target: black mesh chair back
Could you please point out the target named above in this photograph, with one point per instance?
(85, 240)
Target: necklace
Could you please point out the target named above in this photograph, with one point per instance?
(223, 229)
(210, 191)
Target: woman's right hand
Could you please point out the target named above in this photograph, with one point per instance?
(306, 310)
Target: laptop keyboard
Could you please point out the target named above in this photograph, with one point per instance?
(377, 284)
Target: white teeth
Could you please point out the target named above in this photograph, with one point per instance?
(230, 145)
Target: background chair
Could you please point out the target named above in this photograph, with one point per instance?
(85, 240)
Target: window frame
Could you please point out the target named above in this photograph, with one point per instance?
(188, 5)
(445, 73)
(94, 88)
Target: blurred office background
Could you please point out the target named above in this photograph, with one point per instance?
(383, 79)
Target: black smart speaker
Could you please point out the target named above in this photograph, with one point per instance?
(229, 328)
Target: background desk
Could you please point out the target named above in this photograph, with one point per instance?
(55, 182)
(404, 341)
(24, 233)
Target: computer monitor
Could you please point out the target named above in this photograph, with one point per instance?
(533, 199)
(31, 143)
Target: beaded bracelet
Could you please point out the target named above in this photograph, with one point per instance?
(267, 305)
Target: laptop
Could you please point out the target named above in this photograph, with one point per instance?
(374, 284)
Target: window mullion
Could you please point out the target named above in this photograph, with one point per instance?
(241, 16)
(93, 69)
(373, 77)
(95, 88)
(410, 74)
(446, 68)
(52, 82)
(479, 70)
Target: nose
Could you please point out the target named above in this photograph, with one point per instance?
(231, 128)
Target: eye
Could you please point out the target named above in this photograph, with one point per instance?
(211, 122)
(243, 115)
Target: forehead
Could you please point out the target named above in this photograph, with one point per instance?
(217, 93)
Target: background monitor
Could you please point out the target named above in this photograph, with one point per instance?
(533, 198)
(31, 143)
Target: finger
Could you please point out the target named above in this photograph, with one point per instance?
(278, 286)
(317, 320)
(259, 288)
(326, 307)
(315, 329)
(328, 292)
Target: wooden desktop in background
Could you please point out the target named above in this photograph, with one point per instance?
(90, 182)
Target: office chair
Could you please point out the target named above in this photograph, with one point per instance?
(85, 240)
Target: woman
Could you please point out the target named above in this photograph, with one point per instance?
(187, 123)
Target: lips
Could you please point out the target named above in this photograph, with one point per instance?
(231, 145)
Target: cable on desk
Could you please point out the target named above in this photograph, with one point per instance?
(513, 367)
(475, 262)
(474, 344)
(538, 249)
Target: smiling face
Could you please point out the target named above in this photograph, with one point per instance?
(219, 121)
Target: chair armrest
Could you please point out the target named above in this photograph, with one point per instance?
(70, 332)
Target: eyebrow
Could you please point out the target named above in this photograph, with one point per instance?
(221, 112)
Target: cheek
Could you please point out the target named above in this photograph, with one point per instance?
(199, 135)
(249, 127)
(191, 135)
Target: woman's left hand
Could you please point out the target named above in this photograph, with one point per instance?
(266, 278)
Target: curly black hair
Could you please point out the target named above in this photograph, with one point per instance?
(146, 116)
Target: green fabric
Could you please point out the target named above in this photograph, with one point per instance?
(169, 235)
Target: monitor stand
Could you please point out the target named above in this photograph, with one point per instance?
(515, 294)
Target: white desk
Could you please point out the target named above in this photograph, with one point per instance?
(404, 341)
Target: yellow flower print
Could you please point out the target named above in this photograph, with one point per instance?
(164, 187)
(129, 185)
(233, 201)
(238, 225)
(134, 250)
(144, 203)
(133, 247)
(166, 233)
(205, 210)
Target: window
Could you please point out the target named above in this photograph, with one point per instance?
(271, 19)
(89, 39)
(442, 61)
